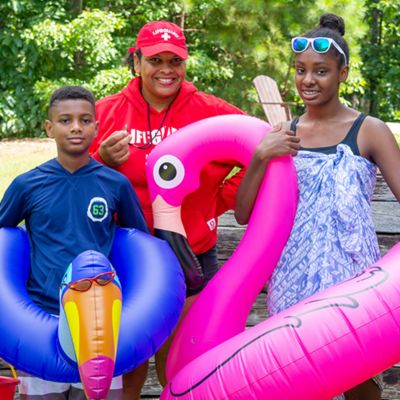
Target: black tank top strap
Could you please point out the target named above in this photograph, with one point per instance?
(351, 137)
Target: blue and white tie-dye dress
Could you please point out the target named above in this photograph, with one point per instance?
(333, 237)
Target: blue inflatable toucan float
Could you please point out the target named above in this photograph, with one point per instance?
(114, 314)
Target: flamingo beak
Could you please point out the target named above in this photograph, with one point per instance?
(168, 226)
(167, 217)
(94, 321)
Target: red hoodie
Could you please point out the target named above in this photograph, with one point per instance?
(201, 208)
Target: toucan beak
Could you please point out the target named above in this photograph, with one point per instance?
(94, 320)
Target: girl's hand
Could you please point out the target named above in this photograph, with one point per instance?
(278, 142)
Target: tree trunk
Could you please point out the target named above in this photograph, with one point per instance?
(76, 7)
(376, 31)
(76, 10)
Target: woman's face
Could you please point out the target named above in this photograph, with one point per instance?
(318, 77)
(162, 76)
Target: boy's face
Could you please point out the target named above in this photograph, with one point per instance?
(73, 125)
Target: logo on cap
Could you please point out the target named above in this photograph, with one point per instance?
(160, 36)
(166, 36)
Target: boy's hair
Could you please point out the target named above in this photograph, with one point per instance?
(71, 93)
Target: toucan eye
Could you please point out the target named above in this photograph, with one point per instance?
(168, 172)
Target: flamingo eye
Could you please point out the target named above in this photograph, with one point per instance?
(168, 172)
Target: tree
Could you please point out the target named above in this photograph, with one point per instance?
(48, 43)
(381, 57)
(42, 53)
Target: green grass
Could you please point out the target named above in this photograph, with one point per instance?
(18, 156)
(395, 128)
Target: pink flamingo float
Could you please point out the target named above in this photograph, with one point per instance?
(314, 350)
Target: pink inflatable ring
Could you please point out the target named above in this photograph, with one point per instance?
(314, 350)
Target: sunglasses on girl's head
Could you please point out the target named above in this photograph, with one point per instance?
(85, 284)
(318, 44)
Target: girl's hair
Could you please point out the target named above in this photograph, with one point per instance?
(332, 26)
(129, 60)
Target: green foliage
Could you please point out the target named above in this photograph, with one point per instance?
(45, 44)
(205, 71)
(51, 53)
(109, 81)
(83, 45)
(381, 56)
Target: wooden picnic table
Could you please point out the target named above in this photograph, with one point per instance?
(386, 216)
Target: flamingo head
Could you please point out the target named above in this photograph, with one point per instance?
(173, 171)
(174, 166)
(168, 175)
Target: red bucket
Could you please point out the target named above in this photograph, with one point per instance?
(7, 387)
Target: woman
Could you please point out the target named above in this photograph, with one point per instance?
(338, 150)
(155, 103)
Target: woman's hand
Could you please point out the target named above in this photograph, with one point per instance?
(114, 151)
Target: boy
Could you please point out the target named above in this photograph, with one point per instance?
(69, 205)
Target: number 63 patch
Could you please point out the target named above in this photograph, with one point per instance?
(97, 210)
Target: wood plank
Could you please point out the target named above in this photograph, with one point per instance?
(386, 242)
(382, 191)
(152, 386)
(385, 210)
(228, 220)
(228, 237)
(386, 216)
(391, 382)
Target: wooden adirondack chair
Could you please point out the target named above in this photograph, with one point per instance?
(276, 110)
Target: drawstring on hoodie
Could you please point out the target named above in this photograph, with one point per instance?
(153, 136)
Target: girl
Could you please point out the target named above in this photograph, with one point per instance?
(338, 150)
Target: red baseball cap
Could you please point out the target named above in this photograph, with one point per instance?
(159, 36)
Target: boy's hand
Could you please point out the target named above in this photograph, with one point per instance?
(114, 151)
(280, 141)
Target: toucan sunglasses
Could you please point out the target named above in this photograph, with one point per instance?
(83, 285)
(318, 44)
